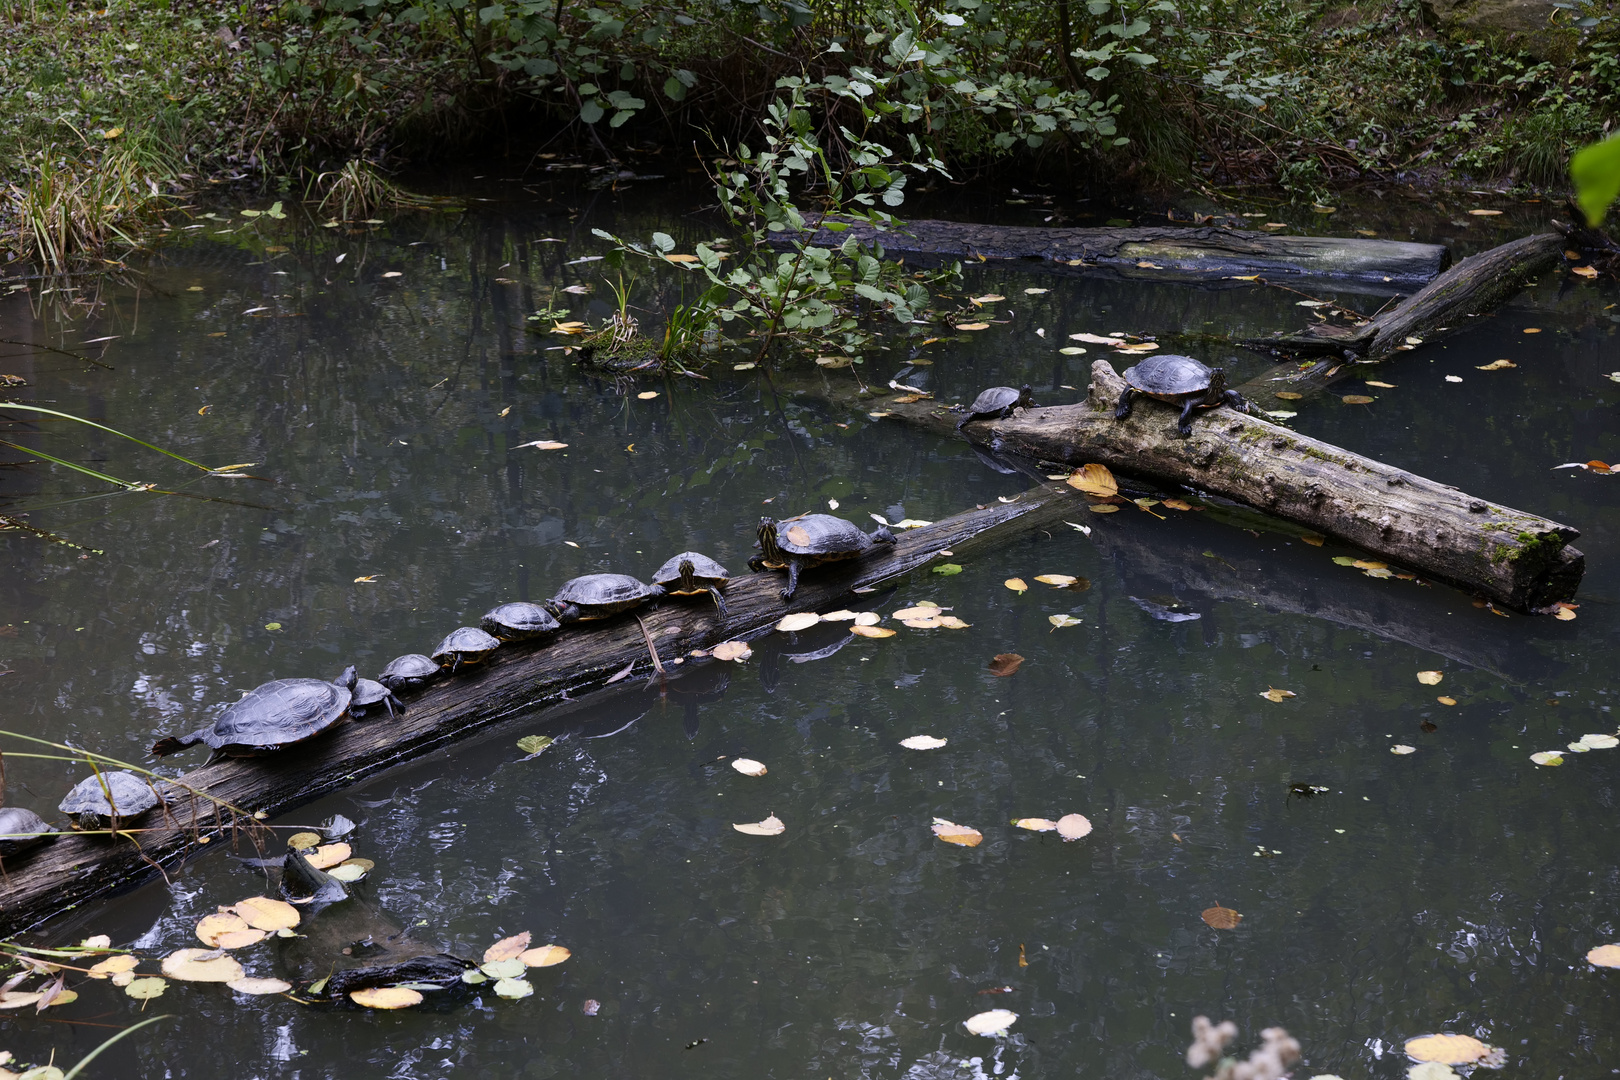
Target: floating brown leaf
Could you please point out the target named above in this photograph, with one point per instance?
(1103, 508)
(328, 855)
(386, 997)
(1073, 826)
(1604, 956)
(1005, 664)
(507, 948)
(1177, 504)
(304, 841)
(1497, 365)
(1446, 1049)
(1356, 399)
(1288, 395)
(1221, 918)
(973, 326)
(961, 835)
(263, 913)
(1314, 539)
(1274, 694)
(1430, 678)
(226, 930)
(1584, 271)
(1094, 479)
(732, 650)
(545, 956)
(1380, 385)
(256, 986)
(1445, 700)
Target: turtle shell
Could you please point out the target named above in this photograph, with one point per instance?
(1169, 376)
(600, 595)
(994, 400)
(465, 645)
(705, 571)
(820, 534)
(518, 621)
(20, 830)
(131, 795)
(280, 713)
(412, 669)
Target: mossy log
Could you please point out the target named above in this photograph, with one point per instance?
(1444, 306)
(1168, 251)
(1511, 558)
(75, 869)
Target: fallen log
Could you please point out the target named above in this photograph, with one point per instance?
(1167, 251)
(1506, 556)
(75, 869)
(1444, 306)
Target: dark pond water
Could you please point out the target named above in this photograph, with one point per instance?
(1456, 888)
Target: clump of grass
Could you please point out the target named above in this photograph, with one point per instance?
(66, 208)
(359, 189)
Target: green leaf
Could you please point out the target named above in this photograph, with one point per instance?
(487, 15)
(146, 989)
(674, 89)
(947, 569)
(591, 112)
(534, 744)
(1596, 172)
(513, 989)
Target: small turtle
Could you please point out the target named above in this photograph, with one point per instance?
(996, 402)
(271, 716)
(597, 596)
(1179, 380)
(464, 645)
(810, 540)
(519, 621)
(20, 830)
(412, 669)
(90, 807)
(692, 573)
(368, 693)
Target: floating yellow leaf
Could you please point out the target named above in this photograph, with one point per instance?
(928, 623)
(841, 615)
(543, 444)
(749, 767)
(1095, 339)
(1072, 350)
(304, 841)
(647, 395)
(1005, 664)
(732, 650)
(13, 999)
(921, 611)
(146, 989)
(961, 835)
(1288, 395)
(1073, 826)
(1176, 504)
(263, 913)
(1035, 292)
(1446, 1049)
(1221, 918)
(112, 133)
(1059, 580)
(1604, 956)
(1356, 399)
(1314, 539)
(1584, 271)
(1017, 585)
(1135, 346)
(994, 1022)
(870, 618)
(973, 326)
(923, 742)
(799, 620)
(1036, 824)
(1485, 213)
(201, 965)
(1547, 757)
(386, 997)
(951, 622)
(771, 826)
(226, 930)
(1599, 742)
(1446, 700)
(507, 948)
(987, 298)
(1060, 621)
(1532, 329)
(1496, 365)
(256, 986)
(1094, 479)
(1402, 749)
(113, 965)
(204, 410)
(681, 257)
(328, 855)
(1103, 508)
(1430, 678)
(365, 579)
(1380, 385)
(1274, 694)
(862, 630)
(568, 328)
(545, 956)
(1564, 613)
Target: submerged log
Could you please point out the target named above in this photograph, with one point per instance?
(1506, 556)
(1167, 251)
(75, 869)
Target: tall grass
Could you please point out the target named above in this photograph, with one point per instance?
(68, 207)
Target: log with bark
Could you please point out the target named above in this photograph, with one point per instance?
(1168, 251)
(1511, 558)
(75, 869)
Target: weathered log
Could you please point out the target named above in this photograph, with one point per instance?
(1444, 306)
(1507, 556)
(75, 869)
(1168, 251)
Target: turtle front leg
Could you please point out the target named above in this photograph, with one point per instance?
(793, 580)
(1238, 402)
(1123, 408)
(719, 602)
(757, 563)
(1185, 424)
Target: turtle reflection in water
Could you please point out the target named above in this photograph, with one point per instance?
(1182, 381)
(811, 540)
(271, 716)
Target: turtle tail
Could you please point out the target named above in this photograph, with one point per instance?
(171, 744)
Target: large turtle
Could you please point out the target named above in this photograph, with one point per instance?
(519, 621)
(810, 540)
(271, 716)
(20, 830)
(598, 596)
(464, 645)
(104, 800)
(412, 669)
(1179, 380)
(692, 573)
(996, 402)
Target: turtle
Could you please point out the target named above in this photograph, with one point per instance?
(20, 830)
(90, 807)
(519, 621)
(691, 573)
(996, 402)
(597, 596)
(271, 716)
(1179, 380)
(810, 540)
(412, 669)
(368, 693)
(464, 645)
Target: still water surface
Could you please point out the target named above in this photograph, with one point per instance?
(1456, 888)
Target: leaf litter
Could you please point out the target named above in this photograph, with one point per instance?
(960, 835)
(771, 826)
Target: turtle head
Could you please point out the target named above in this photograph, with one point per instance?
(347, 679)
(1217, 384)
(1023, 397)
(767, 540)
(688, 574)
(881, 535)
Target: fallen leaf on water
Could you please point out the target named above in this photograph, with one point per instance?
(1314, 539)
(731, 650)
(841, 615)
(568, 328)
(1430, 678)
(1094, 479)
(771, 826)
(833, 361)
(263, 913)
(545, 956)
(1599, 742)
(1532, 329)
(1060, 621)
(973, 326)
(647, 395)
(517, 989)
(226, 930)
(1380, 385)
(862, 630)
(923, 742)
(1103, 508)
(1073, 826)
(1446, 1049)
(258, 986)
(1547, 757)
(1402, 749)
(868, 618)
(543, 444)
(113, 965)
(930, 622)
(1072, 350)
(799, 620)
(961, 835)
(348, 872)
(1058, 580)
(1485, 213)
(365, 579)
(510, 968)
(749, 767)
(1017, 585)
(1176, 504)
(1135, 346)
(947, 569)
(951, 622)
(1356, 399)
(535, 744)
(1453, 378)
(1005, 664)
(1446, 700)
(994, 1022)
(1274, 694)
(1095, 339)
(1496, 365)
(1084, 530)
(304, 841)
(328, 855)
(13, 999)
(507, 948)
(987, 298)
(1604, 956)
(1367, 564)
(200, 965)
(921, 611)
(1145, 265)
(1288, 395)
(1564, 613)
(1221, 918)
(1035, 292)
(146, 989)
(1584, 271)
(386, 997)
(1036, 824)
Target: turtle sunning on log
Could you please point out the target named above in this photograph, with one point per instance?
(810, 540)
(271, 716)
(1179, 380)
(995, 403)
